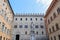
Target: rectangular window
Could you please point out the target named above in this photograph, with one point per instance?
(25, 32)
(36, 19)
(59, 37)
(37, 32)
(58, 10)
(5, 29)
(42, 32)
(26, 26)
(20, 26)
(0, 37)
(3, 38)
(20, 19)
(57, 26)
(41, 26)
(54, 38)
(51, 38)
(26, 19)
(36, 26)
(41, 19)
(16, 19)
(48, 21)
(51, 18)
(54, 15)
(15, 26)
(50, 30)
(2, 28)
(53, 28)
(31, 19)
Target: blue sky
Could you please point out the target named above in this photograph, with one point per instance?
(30, 6)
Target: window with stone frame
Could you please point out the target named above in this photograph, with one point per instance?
(3, 38)
(57, 26)
(54, 15)
(36, 19)
(37, 32)
(41, 19)
(58, 10)
(51, 18)
(41, 26)
(25, 32)
(20, 19)
(0, 37)
(31, 19)
(59, 37)
(53, 28)
(54, 37)
(20, 26)
(16, 19)
(15, 26)
(42, 32)
(36, 26)
(51, 38)
(26, 26)
(26, 19)
(48, 21)
(49, 30)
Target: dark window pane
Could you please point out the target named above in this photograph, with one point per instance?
(54, 15)
(0, 22)
(53, 28)
(48, 21)
(21, 19)
(0, 37)
(51, 18)
(4, 38)
(41, 26)
(58, 10)
(3, 4)
(49, 30)
(42, 32)
(37, 32)
(54, 38)
(25, 32)
(51, 38)
(15, 18)
(36, 19)
(20, 26)
(32, 32)
(15, 26)
(41, 19)
(57, 26)
(26, 19)
(31, 19)
(59, 37)
(36, 26)
(26, 26)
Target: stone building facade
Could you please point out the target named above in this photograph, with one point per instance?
(52, 20)
(6, 18)
(28, 27)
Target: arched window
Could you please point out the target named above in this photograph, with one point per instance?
(57, 26)
(48, 21)
(58, 10)
(54, 15)
(25, 32)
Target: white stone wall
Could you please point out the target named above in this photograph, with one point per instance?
(21, 31)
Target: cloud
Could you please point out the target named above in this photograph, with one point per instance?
(44, 2)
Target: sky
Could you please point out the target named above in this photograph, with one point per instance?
(30, 6)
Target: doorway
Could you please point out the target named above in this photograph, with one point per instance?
(17, 37)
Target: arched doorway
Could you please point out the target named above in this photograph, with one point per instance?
(17, 37)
